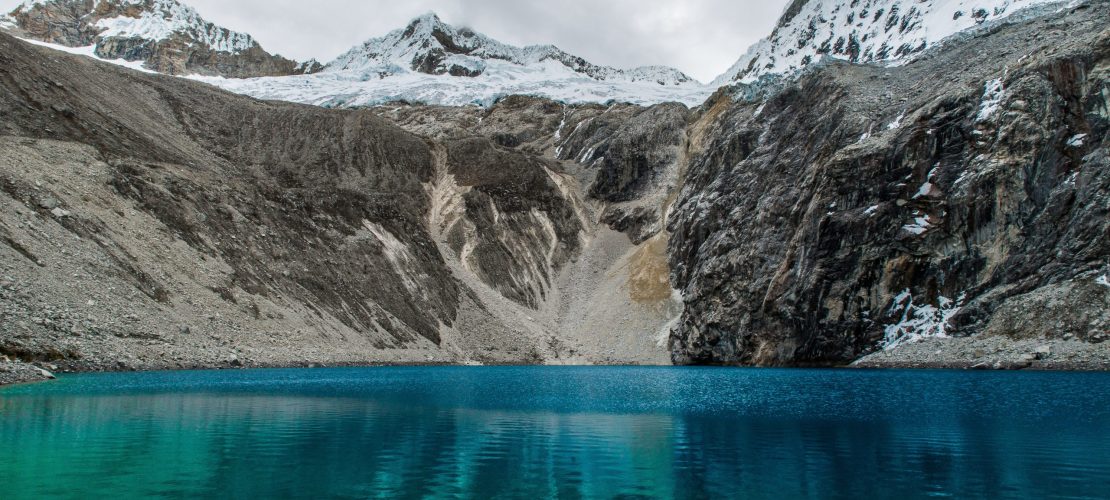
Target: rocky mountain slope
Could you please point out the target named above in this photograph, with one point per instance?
(863, 208)
(165, 35)
(432, 62)
(154, 222)
(869, 31)
(855, 213)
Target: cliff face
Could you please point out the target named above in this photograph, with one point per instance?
(166, 36)
(861, 207)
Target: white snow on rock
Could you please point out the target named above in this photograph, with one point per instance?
(432, 62)
(897, 123)
(993, 91)
(918, 322)
(1076, 141)
(927, 187)
(438, 48)
(160, 20)
(90, 51)
(1103, 280)
(919, 226)
(886, 32)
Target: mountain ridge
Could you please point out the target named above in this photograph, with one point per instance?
(166, 36)
(429, 45)
(885, 32)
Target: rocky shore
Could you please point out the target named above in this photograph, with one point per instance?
(17, 372)
(993, 353)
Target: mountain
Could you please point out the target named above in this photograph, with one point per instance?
(165, 35)
(855, 213)
(949, 212)
(865, 31)
(432, 62)
(430, 46)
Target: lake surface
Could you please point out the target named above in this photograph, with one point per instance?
(540, 432)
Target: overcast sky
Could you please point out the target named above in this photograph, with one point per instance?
(700, 37)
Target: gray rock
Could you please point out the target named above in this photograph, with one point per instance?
(771, 276)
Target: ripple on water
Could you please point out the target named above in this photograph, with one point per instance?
(559, 432)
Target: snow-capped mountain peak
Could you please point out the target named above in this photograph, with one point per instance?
(151, 20)
(427, 45)
(430, 46)
(864, 31)
(164, 35)
(430, 61)
(161, 19)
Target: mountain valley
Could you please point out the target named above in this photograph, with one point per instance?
(436, 196)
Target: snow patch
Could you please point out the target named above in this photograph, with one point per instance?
(1103, 280)
(897, 123)
(866, 135)
(992, 98)
(563, 123)
(919, 226)
(927, 187)
(919, 322)
(1076, 141)
(90, 51)
(870, 212)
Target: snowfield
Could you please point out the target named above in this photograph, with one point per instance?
(548, 79)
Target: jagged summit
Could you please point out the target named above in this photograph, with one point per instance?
(430, 46)
(865, 31)
(165, 35)
(432, 62)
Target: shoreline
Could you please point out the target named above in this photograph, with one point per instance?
(18, 372)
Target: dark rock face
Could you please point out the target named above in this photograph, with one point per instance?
(73, 23)
(635, 156)
(863, 206)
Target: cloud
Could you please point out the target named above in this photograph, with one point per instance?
(701, 37)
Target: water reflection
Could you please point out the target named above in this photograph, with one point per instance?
(528, 433)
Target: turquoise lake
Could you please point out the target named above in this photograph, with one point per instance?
(551, 432)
